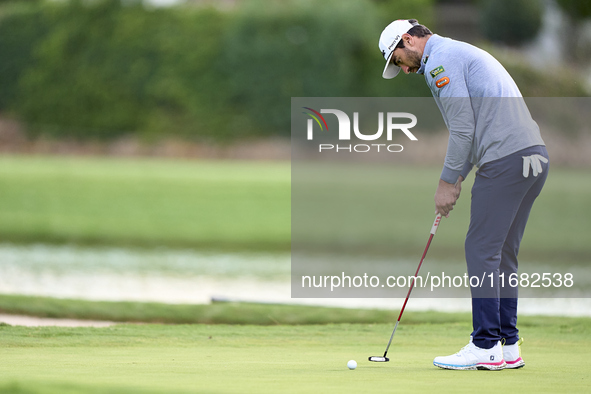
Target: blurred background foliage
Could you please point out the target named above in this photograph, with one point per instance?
(103, 69)
(517, 27)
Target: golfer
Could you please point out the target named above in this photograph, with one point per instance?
(491, 128)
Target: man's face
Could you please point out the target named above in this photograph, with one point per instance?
(408, 59)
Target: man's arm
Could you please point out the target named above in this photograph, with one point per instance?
(452, 96)
(460, 122)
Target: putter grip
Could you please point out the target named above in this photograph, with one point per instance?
(436, 224)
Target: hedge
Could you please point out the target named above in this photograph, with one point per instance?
(102, 69)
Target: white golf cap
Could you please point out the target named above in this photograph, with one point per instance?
(390, 37)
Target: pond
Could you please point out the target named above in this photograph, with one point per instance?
(189, 276)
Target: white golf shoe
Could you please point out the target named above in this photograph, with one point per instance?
(512, 355)
(471, 357)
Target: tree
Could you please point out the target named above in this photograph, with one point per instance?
(578, 11)
(511, 22)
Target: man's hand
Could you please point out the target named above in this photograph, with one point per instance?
(446, 196)
(458, 185)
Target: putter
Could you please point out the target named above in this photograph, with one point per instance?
(384, 359)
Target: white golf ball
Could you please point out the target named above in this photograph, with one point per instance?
(352, 364)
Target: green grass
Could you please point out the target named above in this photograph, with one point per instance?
(289, 359)
(246, 206)
(144, 202)
(215, 313)
(237, 205)
(389, 209)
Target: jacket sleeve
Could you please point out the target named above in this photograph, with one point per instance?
(448, 84)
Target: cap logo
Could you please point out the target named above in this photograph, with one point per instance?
(396, 39)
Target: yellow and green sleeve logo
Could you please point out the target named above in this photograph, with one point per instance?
(436, 71)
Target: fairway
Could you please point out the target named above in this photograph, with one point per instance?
(291, 359)
(218, 205)
(145, 202)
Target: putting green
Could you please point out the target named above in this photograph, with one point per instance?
(290, 359)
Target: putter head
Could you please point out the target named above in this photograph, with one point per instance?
(379, 359)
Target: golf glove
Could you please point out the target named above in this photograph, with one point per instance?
(534, 162)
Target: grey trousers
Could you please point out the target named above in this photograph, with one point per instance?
(502, 199)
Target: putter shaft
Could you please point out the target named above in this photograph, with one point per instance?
(433, 231)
